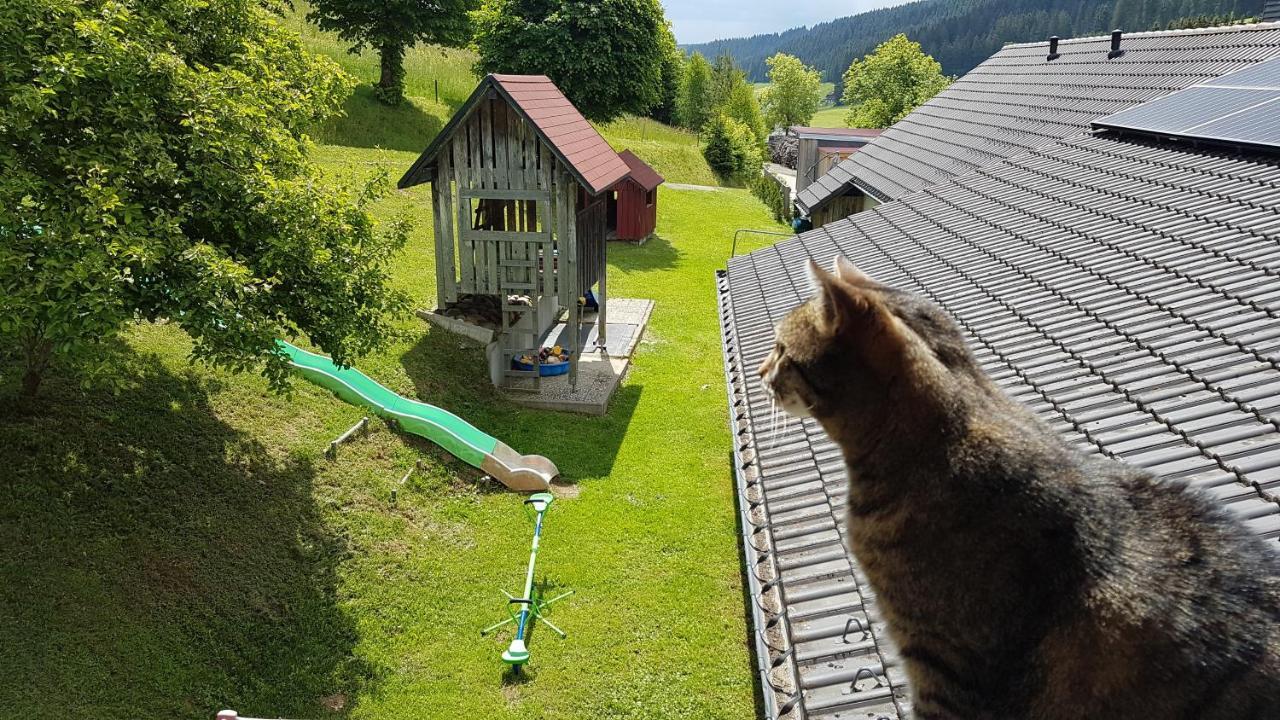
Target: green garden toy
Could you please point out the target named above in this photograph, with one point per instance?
(530, 605)
(526, 473)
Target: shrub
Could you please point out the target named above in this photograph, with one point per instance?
(732, 149)
(775, 196)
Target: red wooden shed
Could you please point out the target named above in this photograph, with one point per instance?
(634, 205)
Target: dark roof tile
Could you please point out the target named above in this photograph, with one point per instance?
(1017, 100)
(1122, 289)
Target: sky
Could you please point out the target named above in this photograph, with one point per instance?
(698, 21)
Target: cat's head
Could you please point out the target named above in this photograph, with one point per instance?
(859, 347)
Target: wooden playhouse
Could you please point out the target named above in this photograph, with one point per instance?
(520, 186)
(633, 204)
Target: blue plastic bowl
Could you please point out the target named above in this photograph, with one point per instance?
(545, 369)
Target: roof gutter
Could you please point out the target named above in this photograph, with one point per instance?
(755, 591)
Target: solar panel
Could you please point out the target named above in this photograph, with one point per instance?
(1263, 75)
(1259, 125)
(1242, 107)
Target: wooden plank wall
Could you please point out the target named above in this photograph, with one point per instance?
(592, 229)
(837, 208)
(506, 182)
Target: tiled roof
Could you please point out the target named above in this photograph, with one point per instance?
(571, 138)
(1126, 291)
(1017, 100)
(645, 176)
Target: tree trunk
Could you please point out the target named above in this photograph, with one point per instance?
(390, 89)
(37, 361)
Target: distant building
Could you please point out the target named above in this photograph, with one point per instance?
(633, 204)
(1022, 97)
(821, 149)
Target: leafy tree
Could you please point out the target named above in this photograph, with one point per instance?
(732, 149)
(731, 94)
(794, 91)
(153, 165)
(606, 55)
(884, 86)
(693, 104)
(741, 105)
(671, 72)
(391, 27)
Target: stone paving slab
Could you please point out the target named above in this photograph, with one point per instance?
(599, 373)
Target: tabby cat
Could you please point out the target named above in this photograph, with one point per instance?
(1018, 577)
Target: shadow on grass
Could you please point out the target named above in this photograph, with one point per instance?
(367, 123)
(161, 563)
(450, 371)
(657, 253)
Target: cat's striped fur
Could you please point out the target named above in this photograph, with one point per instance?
(1018, 577)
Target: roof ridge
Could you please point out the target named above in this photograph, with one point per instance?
(567, 133)
(1216, 29)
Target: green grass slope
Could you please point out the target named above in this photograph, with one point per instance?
(438, 80)
(676, 154)
(182, 545)
(830, 117)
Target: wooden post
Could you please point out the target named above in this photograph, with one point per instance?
(568, 270)
(466, 250)
(361, 427)
(602, 322)
(445, 265)
(443, 243)
(476, 180)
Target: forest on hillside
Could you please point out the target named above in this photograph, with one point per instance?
(962, 33)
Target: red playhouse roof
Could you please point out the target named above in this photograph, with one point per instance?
(644, 176)
(574, 141)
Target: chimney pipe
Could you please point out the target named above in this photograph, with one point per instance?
(1053, 48)
(1115, 45)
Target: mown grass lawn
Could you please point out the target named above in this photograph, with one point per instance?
(830, 117)
(182, 545)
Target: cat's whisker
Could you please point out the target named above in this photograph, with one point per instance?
(773, 420)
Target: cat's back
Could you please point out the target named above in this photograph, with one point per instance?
(1179, 615)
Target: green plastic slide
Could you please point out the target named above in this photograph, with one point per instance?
(528, 473)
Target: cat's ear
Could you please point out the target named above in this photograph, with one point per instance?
(849, 272)
(858, 313)
(842, 307)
